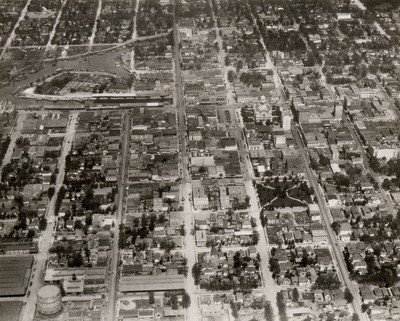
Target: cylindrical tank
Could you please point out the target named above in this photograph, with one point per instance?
(49, 299)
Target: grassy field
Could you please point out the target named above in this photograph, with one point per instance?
(301, 194)
(268, 191)
(265, 193)
(286, 202)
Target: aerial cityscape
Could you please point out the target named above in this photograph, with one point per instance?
(199, 160)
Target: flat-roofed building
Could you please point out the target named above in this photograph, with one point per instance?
(15, 272)
(201, 238)
(200, 199)
(319, 234)
(144, 283)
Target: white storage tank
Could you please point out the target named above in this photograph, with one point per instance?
(49, 299)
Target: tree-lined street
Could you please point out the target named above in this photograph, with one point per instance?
(46, 239)
(122, 185)
(337, 255)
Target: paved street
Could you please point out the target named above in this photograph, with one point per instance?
(337, 255)
(12, 35)
(46, 238)
(53, 30)
(360, 5)
(190, 252)
(134, 36)
(184, 154)
(186, 187)
(15, 134)
(262, 248)
(356, 138)
(221, 58)
(312, 179)
(230, 123)
(94, 30)
(122, 183)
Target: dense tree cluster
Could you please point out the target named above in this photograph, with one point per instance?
(348, 295)
(20, 173)
(171, 299)
(153, 19)
(252, 79)
(237, 279)
(268, 311)
(3, 148)
(271, 189)
(113, 15)
(280, 301)
(329, 281)
(278, 40)
(65, 250)
(185, 300)
(141, 229)
(142, 50)
(372, 4)
(60, 196)
(247, 48)
(55, 84)
(50, 192)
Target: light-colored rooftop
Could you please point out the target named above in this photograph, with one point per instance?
(48, 291)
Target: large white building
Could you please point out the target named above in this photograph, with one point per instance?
(367, 93)
(200, 199)
(263, 110)
(286, 120)
(338, 111)
(343, 16)
(202, 159)
(385, 152)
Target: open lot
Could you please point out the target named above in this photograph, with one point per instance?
(104, 62)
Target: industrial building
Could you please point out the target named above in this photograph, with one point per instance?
(14, 274)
